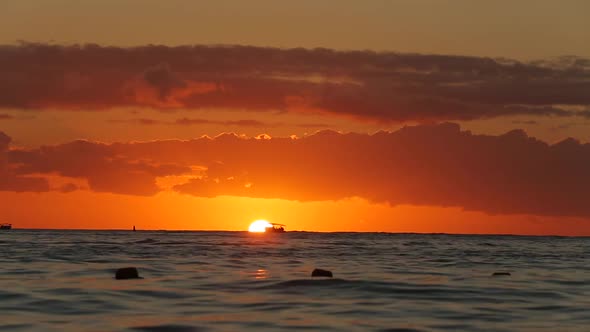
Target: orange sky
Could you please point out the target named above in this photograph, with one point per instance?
(373, 131)
(525, 29)
(85, 210)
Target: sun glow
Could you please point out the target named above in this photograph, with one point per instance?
(259, 226)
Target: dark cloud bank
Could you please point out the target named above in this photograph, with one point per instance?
(437, 165)
(364, 84)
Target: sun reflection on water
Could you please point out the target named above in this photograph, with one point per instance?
(261, 274)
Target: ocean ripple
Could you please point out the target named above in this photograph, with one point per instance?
(235, 281)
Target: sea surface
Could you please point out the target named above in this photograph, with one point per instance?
(238, 281)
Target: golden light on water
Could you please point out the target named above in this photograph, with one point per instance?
(259, 226)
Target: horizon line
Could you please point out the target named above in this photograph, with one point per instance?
(296, 231)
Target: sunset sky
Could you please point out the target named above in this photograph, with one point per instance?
(394, 116)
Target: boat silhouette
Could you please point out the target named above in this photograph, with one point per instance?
(275, 228)
(5, 226)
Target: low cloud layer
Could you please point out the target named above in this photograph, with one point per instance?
(99, 164)
(11, 180)
(359, 84)
(435, 165)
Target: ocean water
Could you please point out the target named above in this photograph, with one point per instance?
(237, 281)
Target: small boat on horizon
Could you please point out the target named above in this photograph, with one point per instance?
(5, 226)
(275, 228)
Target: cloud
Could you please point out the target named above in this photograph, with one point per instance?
(6, 116)
(4, 141)
(11, 182)
(99, 164)
(432, 165)
(9, 179)
(68, 187)
(424, 165)
(162, 78)
(239, 123)
(201, 121)
(525, 122)
(140, 121)
(380, 86)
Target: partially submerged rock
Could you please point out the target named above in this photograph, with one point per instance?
(127, 273)
(499, 274)
(321, 273)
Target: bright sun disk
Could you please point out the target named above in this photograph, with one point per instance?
(259, 226)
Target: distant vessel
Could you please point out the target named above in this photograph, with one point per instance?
(5, 226)
(275, 228)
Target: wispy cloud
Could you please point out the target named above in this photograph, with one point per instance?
(227, 123)
(525, 122)
(240, 123)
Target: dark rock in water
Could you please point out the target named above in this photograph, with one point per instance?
(498, 274)
(321, 273)
(127, 273)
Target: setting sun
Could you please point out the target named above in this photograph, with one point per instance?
(259, 226)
